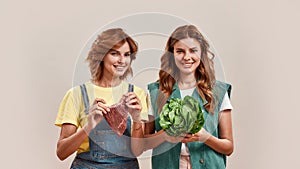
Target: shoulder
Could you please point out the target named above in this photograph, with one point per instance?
(222, 86)
(139, 90)
(72, 92)
(153, 86)
(75, 92)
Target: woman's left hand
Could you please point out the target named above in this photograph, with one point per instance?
(201, 136)
(133, 104)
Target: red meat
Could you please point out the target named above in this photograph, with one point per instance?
(117, 118)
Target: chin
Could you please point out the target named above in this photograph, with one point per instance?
(186, 71)
(119, 74)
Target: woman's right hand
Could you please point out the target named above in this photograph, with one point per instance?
(70, 138)
(96, 112)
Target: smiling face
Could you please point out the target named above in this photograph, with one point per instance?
(187, 55)
(117, 61)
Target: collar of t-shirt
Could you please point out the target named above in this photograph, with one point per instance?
(187, 92)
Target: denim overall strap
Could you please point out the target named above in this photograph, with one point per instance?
(107, 149)
(130, 87)
(85, 98)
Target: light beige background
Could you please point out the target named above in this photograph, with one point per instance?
(258, 42)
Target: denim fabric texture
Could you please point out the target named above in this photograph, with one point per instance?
(107, 149)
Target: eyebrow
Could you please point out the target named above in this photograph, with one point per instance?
(178, 48)
(114, 50)
(194, 48)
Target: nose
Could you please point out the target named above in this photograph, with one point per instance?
(187, 56)
(121, 59)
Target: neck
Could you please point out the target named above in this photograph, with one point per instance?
(108, 82)
(187, 82)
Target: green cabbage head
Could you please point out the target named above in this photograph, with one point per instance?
(181, 116)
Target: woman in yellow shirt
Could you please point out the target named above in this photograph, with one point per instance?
(83, 126)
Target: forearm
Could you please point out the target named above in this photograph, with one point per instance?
(153, 140)
(223, 146)
(137, 138)
(69, 145)
(141, 142)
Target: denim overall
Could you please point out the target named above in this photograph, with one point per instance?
(107, 149)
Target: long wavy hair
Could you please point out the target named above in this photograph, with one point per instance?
(105, 42)
(169, 73)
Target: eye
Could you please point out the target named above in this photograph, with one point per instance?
(127, 54)
(113, 53)
(179, 51)
(194, 50)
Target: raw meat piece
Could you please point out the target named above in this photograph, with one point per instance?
(117, 118)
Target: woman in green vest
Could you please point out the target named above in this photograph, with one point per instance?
(187, 69)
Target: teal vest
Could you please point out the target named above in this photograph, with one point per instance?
(167, 155)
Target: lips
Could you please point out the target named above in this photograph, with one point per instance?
(187, 64)
(120, 67)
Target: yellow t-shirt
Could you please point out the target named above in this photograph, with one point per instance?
(71, 109)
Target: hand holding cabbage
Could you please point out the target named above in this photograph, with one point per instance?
(181, 116)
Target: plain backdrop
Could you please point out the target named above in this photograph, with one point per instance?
(257, 42)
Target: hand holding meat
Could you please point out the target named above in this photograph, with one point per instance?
(133, 105)
(96, 112)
